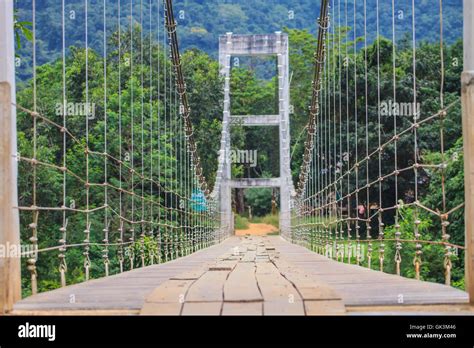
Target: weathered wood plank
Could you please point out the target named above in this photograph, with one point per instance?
(249, 256)
(326, 307)
(190, 275)
(202, 308)
(280, 296)
(82, 306)
(274, 286)
(208, 288)
(79, 312)
(283, 307)
(241, 286)
(170, 291)
(242, 308)
(163, 308)
(225, 265)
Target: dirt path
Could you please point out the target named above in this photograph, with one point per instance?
(257, 230)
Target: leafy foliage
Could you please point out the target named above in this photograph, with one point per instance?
(202, 22)
(260, 200)
(131, 96)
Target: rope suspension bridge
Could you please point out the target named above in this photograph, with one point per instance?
(155, 236)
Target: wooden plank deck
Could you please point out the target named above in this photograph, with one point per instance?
(248, 275)
(121, 293)
(359, 286)
(241, 284)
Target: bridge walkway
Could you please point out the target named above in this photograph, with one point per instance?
(251, 275)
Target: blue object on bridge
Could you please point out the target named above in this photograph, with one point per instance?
(198, 201)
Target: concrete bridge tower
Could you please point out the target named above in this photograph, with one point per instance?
(276, 44)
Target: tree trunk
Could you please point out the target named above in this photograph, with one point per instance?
(239, 201)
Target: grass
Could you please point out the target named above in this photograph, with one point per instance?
(241, 223)
(273, 220)
(267, 219)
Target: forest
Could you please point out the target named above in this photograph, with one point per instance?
(201, 22)
(253, 91)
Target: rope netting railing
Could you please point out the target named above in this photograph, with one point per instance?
(109, 174)
(373, 185)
